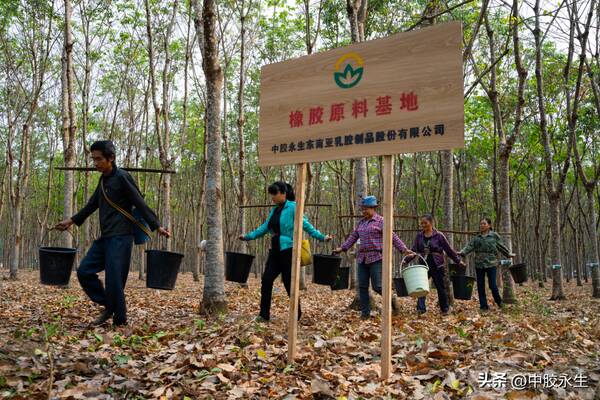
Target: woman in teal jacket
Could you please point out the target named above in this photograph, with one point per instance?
(280, 224)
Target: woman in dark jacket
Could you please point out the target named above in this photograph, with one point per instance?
(431, 244)
(280, 224)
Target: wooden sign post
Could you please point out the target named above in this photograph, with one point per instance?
(386, 294)
(399, 94)
(296, 250)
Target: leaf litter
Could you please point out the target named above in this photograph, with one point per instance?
(170, 351)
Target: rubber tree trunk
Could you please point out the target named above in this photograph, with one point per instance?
(213, 300)
(357, 12)
(15, 258)
(240, 125)
(577, 258)
(19, 201)
(69, 119)
(508, 287)
(448, 203)
(555, 249)
(594, 254)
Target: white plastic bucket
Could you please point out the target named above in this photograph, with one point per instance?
(416, 279)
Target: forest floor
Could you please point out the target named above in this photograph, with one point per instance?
(170, 351)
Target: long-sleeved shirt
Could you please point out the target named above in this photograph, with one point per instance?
(121, 189)
(286, 227)
(438, 245)
(370, 233)
(486, 248)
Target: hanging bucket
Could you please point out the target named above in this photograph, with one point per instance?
(162, 268)
(342, 280)
(416, 279)
(519, 272)
(325, 268)
(400, 287)
(56, 263)
(462, 286)
(456, 270)
(237, 266)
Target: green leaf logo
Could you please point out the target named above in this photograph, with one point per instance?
(349, 76)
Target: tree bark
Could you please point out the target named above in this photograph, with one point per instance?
(594, 259)
(590, 186)
(19, 198)
(85, 107)
(213, 301)
(357, 11)
(448, 216)
(555, 189)
(240, 124)
(505, 150)
(163, 135)
(69, 120)
(41, 48)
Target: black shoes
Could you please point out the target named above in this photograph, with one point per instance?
(261, 319)
(102, 318)
(118, 324)
(447, 312)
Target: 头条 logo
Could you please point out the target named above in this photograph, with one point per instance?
(348, 70)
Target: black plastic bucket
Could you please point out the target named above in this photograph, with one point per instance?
(56, 264)
(342, 281)
(456, 270)
(400, 287)
(162, 268)
(325, 268)
(519, 272)
(237, 266)
(463, 286)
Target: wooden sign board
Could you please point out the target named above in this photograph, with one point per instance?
(399, 94)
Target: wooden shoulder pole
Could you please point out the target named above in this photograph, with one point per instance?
(388, 226)
(295, 281)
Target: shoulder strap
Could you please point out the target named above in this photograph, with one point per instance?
(123, 212)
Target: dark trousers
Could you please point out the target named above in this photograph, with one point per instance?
(368, 272)
(113, 255)
(491, 275)
(437, 273)
(278, 262)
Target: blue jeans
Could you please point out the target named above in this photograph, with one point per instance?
(491, 274)
(368, 272)
(437, 273)
(113, 255)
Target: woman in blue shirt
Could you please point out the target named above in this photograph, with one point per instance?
(280, 224)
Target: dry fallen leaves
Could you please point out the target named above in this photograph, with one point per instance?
(169, 351)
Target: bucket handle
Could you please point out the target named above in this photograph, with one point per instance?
(51, 228)
(416, 255)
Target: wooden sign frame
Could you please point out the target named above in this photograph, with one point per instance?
(439, 122)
